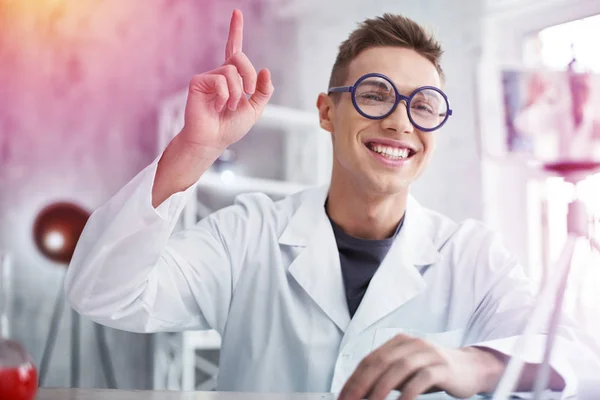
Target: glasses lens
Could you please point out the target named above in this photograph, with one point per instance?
(375, 96)
(428, 108)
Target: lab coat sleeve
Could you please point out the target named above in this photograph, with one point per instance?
(506, 300)
(130, 271)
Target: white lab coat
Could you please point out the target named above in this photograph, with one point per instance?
(266, 275)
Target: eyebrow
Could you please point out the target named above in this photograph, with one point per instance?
(406, 90)
(377, 84)
(435, 96)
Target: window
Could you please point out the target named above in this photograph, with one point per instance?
(556, 48)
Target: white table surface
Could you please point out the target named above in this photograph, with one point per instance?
(108, 394)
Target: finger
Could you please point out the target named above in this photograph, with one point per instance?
(372, 367)
(236, 34)
(245, 69)
(401, 339)
(264, 91)
(212, 83)
(397, 374)
(234, 84)
(422, 381)
(221, 90)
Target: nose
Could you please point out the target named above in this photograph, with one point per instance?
(398, 120)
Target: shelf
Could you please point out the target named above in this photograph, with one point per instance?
(241, 184)
(201, 340)
(273, 115)
(286, 117)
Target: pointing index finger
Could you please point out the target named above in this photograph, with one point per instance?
(236, 34)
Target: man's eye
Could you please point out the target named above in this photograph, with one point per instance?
(372, 96)
(424, 107)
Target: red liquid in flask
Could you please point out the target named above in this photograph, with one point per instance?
(18, 374)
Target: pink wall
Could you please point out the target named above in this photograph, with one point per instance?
(80, 86)
(81, 81)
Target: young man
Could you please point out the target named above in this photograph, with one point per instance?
(352, 288)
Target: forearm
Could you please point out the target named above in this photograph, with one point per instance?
(181, 165)
(492, 365)
(529, 374)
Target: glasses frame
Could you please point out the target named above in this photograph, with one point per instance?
(399, 98)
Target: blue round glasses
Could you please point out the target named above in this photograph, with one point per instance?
(375, 96)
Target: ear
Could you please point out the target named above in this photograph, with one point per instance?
(325, 106)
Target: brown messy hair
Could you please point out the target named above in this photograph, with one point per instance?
(386, 30)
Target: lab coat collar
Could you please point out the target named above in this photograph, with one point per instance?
(308, 214)
(317, 266)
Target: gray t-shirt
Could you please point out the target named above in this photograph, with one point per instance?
(359, 259)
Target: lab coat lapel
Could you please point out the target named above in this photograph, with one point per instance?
(316, 266)
(398, 278)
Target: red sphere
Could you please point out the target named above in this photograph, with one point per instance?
(18, 374)
(57, 228)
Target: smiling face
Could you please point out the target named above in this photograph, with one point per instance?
(381, 157)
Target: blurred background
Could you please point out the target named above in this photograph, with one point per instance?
(91, 91)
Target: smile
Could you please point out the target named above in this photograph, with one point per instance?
(394, 153)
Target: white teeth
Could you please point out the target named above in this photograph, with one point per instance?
(390, 152)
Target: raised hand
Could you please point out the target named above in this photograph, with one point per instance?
(223, 104)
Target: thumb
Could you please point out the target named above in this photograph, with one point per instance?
(264, 90)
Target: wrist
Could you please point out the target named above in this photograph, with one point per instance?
(196, 151)
(181, 166)
(489, 366)
(188, 161)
